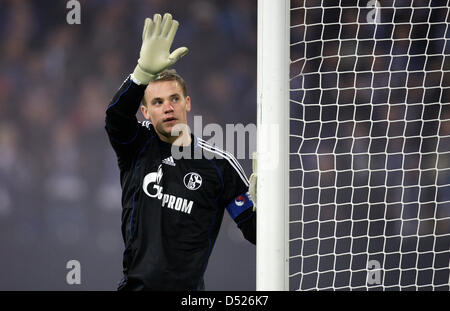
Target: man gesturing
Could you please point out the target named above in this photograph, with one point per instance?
(172, 207)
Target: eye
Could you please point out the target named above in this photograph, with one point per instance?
(175, 99)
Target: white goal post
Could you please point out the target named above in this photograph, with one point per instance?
(353, 145)
(273, 145)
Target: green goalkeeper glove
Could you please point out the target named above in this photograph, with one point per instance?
(253, 182)
(155, 56)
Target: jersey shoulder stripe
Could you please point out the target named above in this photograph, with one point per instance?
(146, 124)
(239, 171)
(226, 155)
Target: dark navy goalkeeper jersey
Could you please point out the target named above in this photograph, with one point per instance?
(172, 207)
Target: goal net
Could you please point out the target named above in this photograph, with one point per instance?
(369, 140)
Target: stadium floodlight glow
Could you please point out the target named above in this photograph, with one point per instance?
(360, 199)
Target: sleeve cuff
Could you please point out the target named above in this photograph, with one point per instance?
(135, 80)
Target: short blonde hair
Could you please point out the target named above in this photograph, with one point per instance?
(169, 75)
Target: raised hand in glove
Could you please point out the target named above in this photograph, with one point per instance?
(155, 56)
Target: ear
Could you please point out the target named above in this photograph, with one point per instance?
(144, 112)
(188, 103)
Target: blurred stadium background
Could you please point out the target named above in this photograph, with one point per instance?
(59, 182)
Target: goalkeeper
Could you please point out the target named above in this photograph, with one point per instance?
(172, 207)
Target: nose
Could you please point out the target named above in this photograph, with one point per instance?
(168, 106)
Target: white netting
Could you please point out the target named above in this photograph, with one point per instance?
(369, 145)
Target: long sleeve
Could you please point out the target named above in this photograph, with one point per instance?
(247, 224)
(237, 201)
(121, 124)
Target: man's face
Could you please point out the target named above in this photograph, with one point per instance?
(166, 107)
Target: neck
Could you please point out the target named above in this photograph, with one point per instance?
(183, 139)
